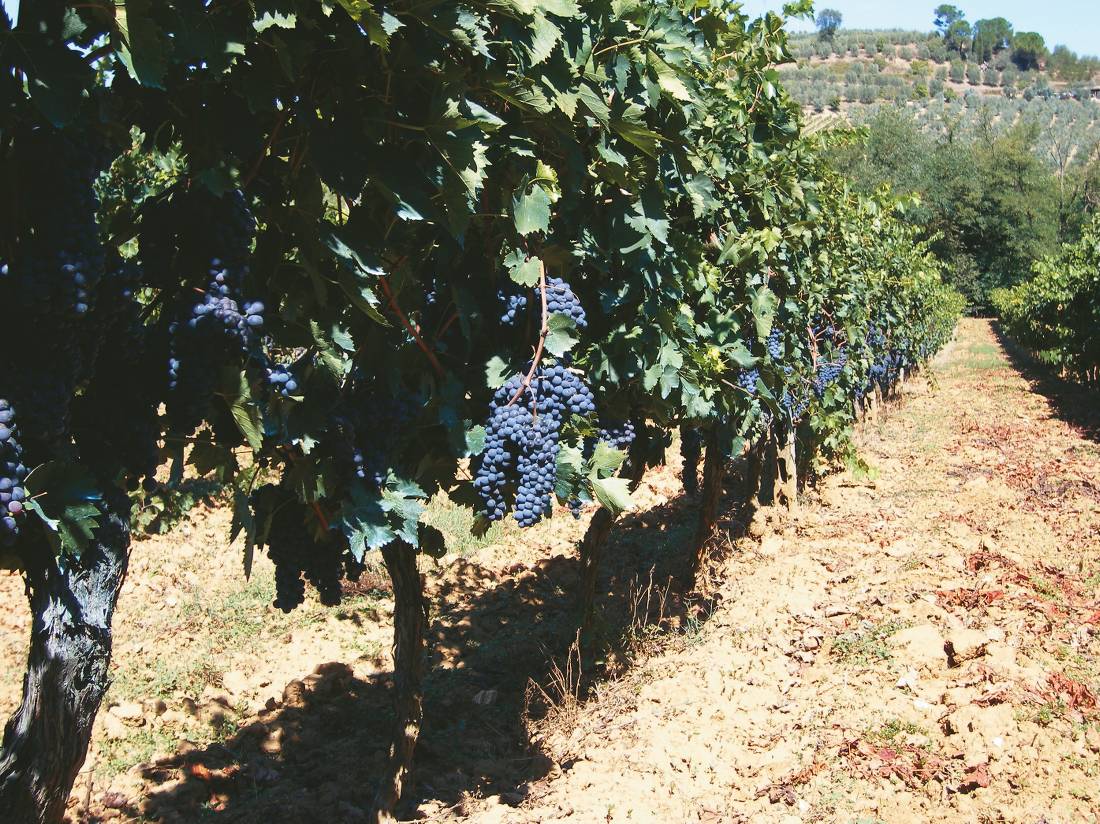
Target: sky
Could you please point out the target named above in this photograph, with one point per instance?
(1073, 23)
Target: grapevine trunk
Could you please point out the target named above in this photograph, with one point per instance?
(410, 618)
(595, 538)
(46, 740)
(779, 486)
(710, 496)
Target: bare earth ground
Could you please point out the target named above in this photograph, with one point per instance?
(919, 644)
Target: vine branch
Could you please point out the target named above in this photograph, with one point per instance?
(412, 330)
(543, 332)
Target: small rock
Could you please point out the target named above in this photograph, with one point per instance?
(834, 610)
(235, 682)
(154, 707)
(114, 800)
(294, 694)
(965, 645)
(273, 744)
(113, 728)
(921, 647)
(1092, 738)
(908, 681)
(770, 546)
(173, 717)
(127, 711)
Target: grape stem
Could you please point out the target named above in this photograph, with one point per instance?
(320, 515)
(412, 330)
(251, 175)
(543, 332)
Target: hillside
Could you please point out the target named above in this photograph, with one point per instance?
(856, 73)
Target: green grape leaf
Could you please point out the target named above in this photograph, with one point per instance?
(531, 209)
(612, 494)
(363, 521)
(497, 372)
(606, 460)
(243, 521)
(524, 271)
(475, 440)
(559, 339)
(569, 471)
(764, 304)
(246, 414)
(146, 49)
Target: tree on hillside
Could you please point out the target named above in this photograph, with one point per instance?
(828, 21)
(956, 31)
(1029, 50)
(947, 16)
(990, 37)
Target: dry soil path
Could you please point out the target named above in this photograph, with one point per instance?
(919, 645)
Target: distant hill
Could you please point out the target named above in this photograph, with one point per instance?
(855, 73)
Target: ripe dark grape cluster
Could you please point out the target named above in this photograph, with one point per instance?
(513, 305)
(619, 434)
(747, 379)
(218, 306)
(775, 345)
(296, 551)
(691, 447)
(561, 300)
(575, 506)
(795, 405)
(522, 442)
(281, 379)
(222, 326)
(50, 284)
(115, 420)
(375, 424)
(828, 373)
(12, 475)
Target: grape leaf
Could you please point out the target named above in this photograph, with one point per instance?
(612, 493)
(531, 210)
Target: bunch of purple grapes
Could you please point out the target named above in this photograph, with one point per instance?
(281, 379)
(562, 300)
(297, 550)
(12, 475)
(523, 440)
(747, 378)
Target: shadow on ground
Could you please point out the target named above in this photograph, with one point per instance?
(1075, 403)
(316, 756)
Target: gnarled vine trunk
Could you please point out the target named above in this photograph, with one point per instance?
(709, 499)
(595, 538)
(46, 740)
(410, 620)
(779, 483)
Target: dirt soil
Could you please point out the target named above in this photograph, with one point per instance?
(919, 642)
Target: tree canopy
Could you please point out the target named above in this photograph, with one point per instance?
(828, 21)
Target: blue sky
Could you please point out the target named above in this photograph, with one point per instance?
(1074, 23)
